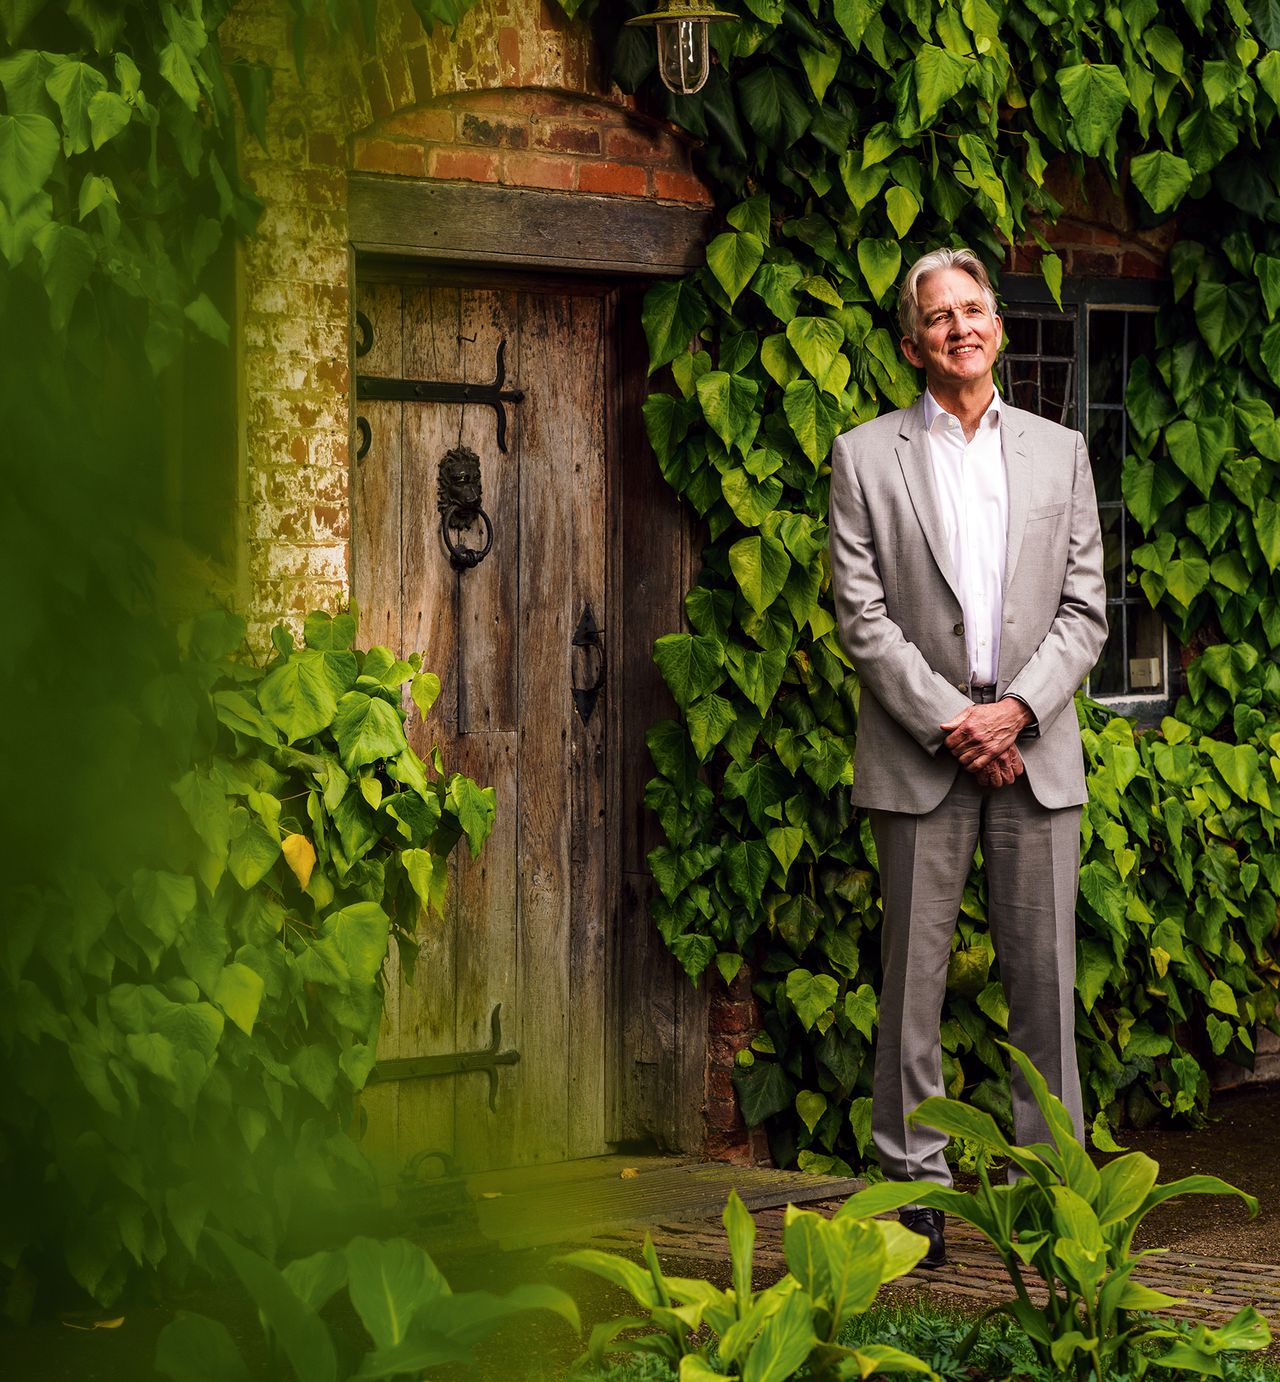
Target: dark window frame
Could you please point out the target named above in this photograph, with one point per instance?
(1080, 296)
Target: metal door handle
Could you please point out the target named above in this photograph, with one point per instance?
(587, 635)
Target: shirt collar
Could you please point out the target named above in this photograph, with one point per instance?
(933, 410)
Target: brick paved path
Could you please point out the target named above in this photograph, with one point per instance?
(1214, 1288)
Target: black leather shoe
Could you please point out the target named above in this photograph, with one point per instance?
(929, 1224)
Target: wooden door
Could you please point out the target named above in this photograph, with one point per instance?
(527, 924)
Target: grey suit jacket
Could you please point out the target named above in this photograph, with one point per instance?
(899, 611)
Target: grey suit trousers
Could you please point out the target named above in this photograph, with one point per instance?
(1032, 858)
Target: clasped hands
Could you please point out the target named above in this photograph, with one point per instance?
(983, 738)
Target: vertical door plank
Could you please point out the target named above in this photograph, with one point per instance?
(428, 1018)
(376, 584)
(546, 626)
(585, 473)
(375, 487)
(484, 890)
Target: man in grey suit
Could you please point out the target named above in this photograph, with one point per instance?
(966, 565)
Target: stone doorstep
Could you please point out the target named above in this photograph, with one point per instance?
(1213, 1288)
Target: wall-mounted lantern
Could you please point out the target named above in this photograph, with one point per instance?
(684, 56)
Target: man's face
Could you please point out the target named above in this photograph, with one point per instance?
(958, 337)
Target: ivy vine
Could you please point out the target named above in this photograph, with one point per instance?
(844, 138)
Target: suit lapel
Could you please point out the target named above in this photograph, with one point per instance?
(1017, 466)
(917, 472)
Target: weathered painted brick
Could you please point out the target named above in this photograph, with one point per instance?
(473, 128)
(390, 156)
(679, 187)
(624, 179)
(463, 165)
(639, 144)
(434, 126)
(535, 170)
(563, 137)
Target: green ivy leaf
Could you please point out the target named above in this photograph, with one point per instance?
(817, 342)
(29, 148)
(1096, 96)
(475, 808)
(674, 312)
(1185, 578)
(1207, 137)
(238, 993)
(175, 68)
(815, 421)
(691, 665)
(760, 565)
(785, 842)
(773, 107)
(779, 360)
(862, 1009)
(734, 258)
(73, 85)
(775, 285)
(1162, 178)
(902, 208)
(750, 499)
(1267, 268)
(747, 868)
(367, 729)
(763, 1088)
(756, 674)
(810, 995)
(729, 403)
(879, 261)
(1224, 312)
(299, 696)
(710, 719)
(1199, 448)
(939, 75)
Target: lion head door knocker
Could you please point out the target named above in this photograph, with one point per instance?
(459, 501)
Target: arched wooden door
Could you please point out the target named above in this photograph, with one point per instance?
(527, 930)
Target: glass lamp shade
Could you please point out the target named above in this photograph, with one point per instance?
(684, 57)
(684, 50)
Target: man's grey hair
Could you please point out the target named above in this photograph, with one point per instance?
(945, 258)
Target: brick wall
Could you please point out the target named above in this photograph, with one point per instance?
(733, 1019)
(1098, 235)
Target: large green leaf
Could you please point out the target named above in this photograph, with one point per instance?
(1162, 178)
(939, 75)
(389, 1283)
(73, 85)
(1207, 137)
(691, 665)
(729, 405)
(475, 807)
(28, 151)
(1096, 96)
(810, 995)
(815, 420)
(760, 565)
(879, 261)
(674, 312)
(774, 108)
(817, 341)
(302, 1335)
(734, 258)
(1199, 448)
(1224, 312)
(747, 868)
(367, 729)
(299, 697)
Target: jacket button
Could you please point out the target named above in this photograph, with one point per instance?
(963, 686)
(958, 631)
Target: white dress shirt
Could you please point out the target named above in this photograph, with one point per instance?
(973, 495)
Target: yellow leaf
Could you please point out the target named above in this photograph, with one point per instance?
(628, 1173)
(1160, 957)
(300, 855)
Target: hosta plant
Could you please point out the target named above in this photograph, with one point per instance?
(835, 1267)
(1071, 1224)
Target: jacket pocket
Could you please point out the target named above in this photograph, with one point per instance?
(1046, 511)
